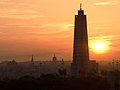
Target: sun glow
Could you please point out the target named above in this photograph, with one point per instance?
(100, 47)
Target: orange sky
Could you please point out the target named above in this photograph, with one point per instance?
(45, 27)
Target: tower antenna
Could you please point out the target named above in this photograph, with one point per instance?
(80, 6)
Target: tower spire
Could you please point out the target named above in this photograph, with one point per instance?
(80, 6)
(32, 59)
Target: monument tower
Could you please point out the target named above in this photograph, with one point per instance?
(80, 49)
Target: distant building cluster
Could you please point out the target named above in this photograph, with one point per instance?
(13, 69)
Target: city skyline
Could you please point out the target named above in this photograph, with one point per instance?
(40, 29)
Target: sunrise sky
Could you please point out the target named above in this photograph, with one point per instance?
(45, 27)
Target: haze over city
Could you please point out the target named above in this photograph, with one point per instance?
(44, 28)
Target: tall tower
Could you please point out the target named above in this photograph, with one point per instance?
(80, 49)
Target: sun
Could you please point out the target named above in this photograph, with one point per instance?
(100, 47)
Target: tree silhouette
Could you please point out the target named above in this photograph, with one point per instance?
(62, 72)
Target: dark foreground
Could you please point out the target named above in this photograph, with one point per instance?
(49, 82)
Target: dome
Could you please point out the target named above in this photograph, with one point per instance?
(54, 59)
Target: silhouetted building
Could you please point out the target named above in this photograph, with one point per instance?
(81, 64)
(62, 61)
(13, 62)
(32, 59)
(54, 59)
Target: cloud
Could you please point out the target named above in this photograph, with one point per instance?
(20, 13)
(18, 10)
(60, 26)
(1, 32)
(107, 3)
(21, 16)
(15, 3)
(105, 38)
(97, 28)
(5, 2)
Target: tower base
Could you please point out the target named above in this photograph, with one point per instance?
(86, 69)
